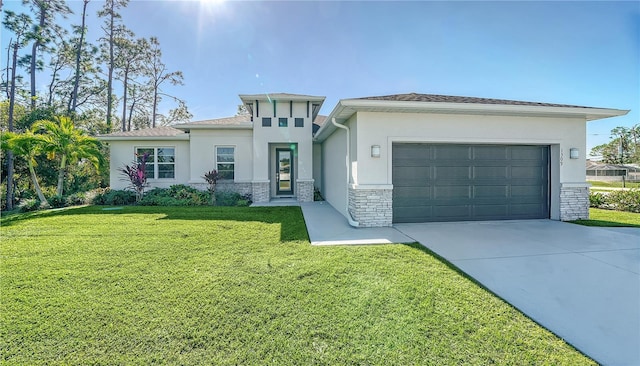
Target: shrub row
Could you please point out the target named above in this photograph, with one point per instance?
(176, 195)
(628, 200)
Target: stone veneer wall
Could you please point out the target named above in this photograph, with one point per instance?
(371, 207)
(304, 190)
(574, 202)
(261, 191)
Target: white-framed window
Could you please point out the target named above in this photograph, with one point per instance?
(160, 163)
(226, 162)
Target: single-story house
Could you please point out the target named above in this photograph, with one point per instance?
(599, 171)
(383, 160)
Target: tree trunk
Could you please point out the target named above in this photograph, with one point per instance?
(34, 54)
(61, 174)
(155, 108)
(124, 98)
(76, 81)
(110, 67)
(36, 186)
(12, 100)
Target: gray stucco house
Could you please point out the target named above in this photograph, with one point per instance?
(381, 160)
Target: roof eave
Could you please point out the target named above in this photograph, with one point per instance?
(244, 126)
(347, 107)
(183, 137)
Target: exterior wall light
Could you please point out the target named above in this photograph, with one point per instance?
(375, 151)
(574, 153)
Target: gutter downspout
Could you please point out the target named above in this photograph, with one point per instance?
(348, 161)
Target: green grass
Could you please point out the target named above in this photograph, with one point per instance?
(596, 183)
(199, 285)
(611, 218)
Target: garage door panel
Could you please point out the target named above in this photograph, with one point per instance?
(413, 175)
(491, 192)
(452, 172)
(436, 182)
(451, 192)
(450, 152)
(490, 153)
(527, 153)
(490, 172)
(490, 210)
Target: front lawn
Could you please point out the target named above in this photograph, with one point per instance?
(599, 183)
(611, 218)
(201, 285)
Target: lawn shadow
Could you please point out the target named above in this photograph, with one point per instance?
(290, 219)
(603, 223)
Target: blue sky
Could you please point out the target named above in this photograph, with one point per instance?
(583, 53)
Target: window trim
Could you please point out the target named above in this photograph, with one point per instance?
(156, 168)
(215, 151)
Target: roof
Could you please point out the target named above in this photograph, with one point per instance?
(280, 96)
(437, 98)
(162, 132)
(239, 121)
(318, 122)
(450, 104)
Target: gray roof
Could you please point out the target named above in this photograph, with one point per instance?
(318, 122)
(436, 98)
(162, 131)
(227, 121)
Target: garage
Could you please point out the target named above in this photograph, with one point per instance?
(456, 182)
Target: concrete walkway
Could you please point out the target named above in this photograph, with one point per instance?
(326, 226)
(582, 283)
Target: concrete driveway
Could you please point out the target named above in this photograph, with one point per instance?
(582, 283)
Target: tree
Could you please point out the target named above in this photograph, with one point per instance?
(28, 145)
(82, 30)
(43, 32)
(158, 75)
(63, 140)
(212, 180)
(19, 25)
(110, 11)
(130, 55)
(623, 147)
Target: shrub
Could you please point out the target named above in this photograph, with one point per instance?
(627, 200)
(114, 197)
(597, 200)
(176, 195)
(56, 201)
(30, 204)
(317, 196)
(75, 199)
(232, 199)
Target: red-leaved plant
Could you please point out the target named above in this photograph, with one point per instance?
(135, 174)
(212, 179)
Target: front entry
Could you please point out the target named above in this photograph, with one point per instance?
(284, 172)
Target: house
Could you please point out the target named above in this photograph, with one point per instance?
(598, 171)
(382, 160)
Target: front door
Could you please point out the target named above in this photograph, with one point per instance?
(284, 172)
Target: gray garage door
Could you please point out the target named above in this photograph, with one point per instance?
(438, 182)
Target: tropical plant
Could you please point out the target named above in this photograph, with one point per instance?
(212, 180)
(61, 139)
(135, 174)
(28, 145)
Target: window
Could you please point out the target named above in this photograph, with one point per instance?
(299, 122)
(283, 122)
(225, 162)
(266, 121)
(160, 163)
